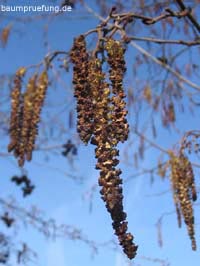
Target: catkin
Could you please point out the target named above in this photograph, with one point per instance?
(102, 121)
(79, 58)
(182, 179)
(39, 97)
(25, 114)
(27, 118)
(16, 112)
(116, 73)
(105, 138)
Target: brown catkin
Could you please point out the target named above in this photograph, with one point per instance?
(190, 179)
(25, 114)
(106, 139)
(116, 73)
(16, 111)
(182, 179)
(102, 121)
(27, 118)
(19, 129)
(79, 58)
(39, 97)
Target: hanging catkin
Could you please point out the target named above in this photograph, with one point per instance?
(79, 58)
(184, 191)
(39, 97)
(16, 112)
(25, 114)
(27, 118)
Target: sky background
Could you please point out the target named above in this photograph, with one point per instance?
(66, 199)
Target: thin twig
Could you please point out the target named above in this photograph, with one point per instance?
(162, 41)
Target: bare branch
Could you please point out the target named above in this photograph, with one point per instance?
(189, 15)
(162, 41)
(144, 52)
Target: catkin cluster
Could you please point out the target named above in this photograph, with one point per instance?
(25, 114)
(107, 126)
(184, 192)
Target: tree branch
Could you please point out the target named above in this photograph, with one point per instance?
(189, 15)
(161, 41)
(144, 52)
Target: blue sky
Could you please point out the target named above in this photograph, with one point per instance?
(65, 199)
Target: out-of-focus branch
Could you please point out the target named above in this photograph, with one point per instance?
(48, 227)
(156, 260)
(150, 142)
(71, 176)
(162, 41)
(166, 66)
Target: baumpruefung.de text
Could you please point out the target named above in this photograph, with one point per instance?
(34, 8)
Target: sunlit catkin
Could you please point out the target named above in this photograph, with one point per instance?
(117, 69)
(79, 58)
(182, 179)
(16, 111)
(28, 110)
(39, 97)
(102, 121)
(106, 139)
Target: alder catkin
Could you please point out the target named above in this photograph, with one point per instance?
(29, 97)
(16, 111)
(79, 58)
(25, 114)
(101, 119)
(39, 97)
(117, 69)
(106, 138)
(182, 179)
